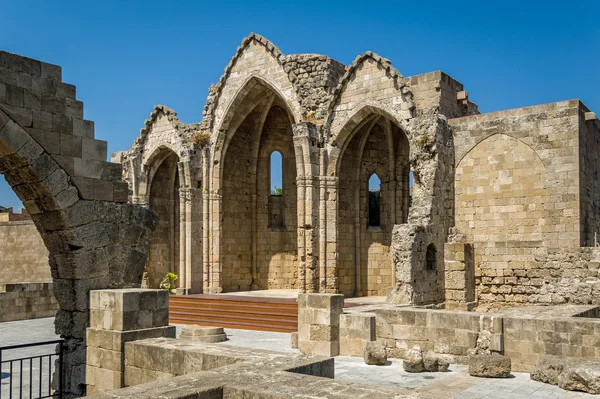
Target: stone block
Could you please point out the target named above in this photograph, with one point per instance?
(93, 149)
(490, 366)
(70, 146)
(375, 354)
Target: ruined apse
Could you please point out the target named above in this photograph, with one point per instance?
(391, 186)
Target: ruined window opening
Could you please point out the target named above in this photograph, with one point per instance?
(374, 201)
(276, 175)
(430, 261)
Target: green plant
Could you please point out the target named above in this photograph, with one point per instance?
(168, 281)
(277, 191)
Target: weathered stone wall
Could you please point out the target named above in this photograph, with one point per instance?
(527, 340)
(589, 180)
(438, 91)
(276, 240)
(24, 301)
(441, 331)
(517, 175)
(164, 200)
(23, 256)
(515, 275)
(238, 175)
(459, 274)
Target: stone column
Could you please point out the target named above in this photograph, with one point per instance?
(307, 169)
(119, 316)
(319, 324)
(215, 267)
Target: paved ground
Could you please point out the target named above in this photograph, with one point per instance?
(455, 384)
(36, 369)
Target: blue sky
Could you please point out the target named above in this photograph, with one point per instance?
(126, 56)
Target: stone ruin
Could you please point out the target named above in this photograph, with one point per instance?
(76, 199)
(503, 208)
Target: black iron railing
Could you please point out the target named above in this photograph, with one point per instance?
(31, 376)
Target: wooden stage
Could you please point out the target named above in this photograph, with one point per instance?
(272, 310)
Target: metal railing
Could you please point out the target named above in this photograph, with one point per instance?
(31, 376)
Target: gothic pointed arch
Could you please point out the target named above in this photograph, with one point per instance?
(370, 80)
(256, 56)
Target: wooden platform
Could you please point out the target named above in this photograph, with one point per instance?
(268, 310)
(231, 311)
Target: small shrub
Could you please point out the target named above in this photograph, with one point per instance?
(201, 138)
(168, 281)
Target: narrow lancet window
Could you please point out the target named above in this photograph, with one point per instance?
(276, 174)
(374, 201)
(430, 257)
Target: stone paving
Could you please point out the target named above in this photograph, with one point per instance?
(455, 384)
(24, 332)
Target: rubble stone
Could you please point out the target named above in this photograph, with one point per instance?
(490, 366)
(548, 370)
(413, 361)
(581, 376)
(375, 354)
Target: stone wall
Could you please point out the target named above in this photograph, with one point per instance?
(27, 301)
(589, 171)
(276, 240)
(438, 91)
(441, 331)
(527, 340)
(508, 275)
(23, 255)
(517, 175)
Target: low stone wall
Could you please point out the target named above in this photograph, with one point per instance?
(442, 331)
(511, 274)
(527, 339)
(23, 301)
(525, 334)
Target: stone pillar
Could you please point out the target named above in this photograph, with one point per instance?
(119, 316)
(356, 329)
(307, 170)
(459, 276)
(319, 324)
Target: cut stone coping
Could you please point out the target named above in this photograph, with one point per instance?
(258, 373)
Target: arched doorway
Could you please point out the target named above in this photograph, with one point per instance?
(374, 195)
(259, 222)
(164, 200)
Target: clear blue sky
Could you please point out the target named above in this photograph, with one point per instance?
(126, 56)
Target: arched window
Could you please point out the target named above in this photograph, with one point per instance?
(430, 261)
(374, 201)
(276, 174)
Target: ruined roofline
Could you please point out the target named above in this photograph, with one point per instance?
(351, 69)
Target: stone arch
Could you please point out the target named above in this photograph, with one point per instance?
(382, 87)
(365, 115)
(93, 242)
(501, 192)
(255, 253)
(164, 182)
(464, 151)
(256, 56)
(373, 144)
(256, 93)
